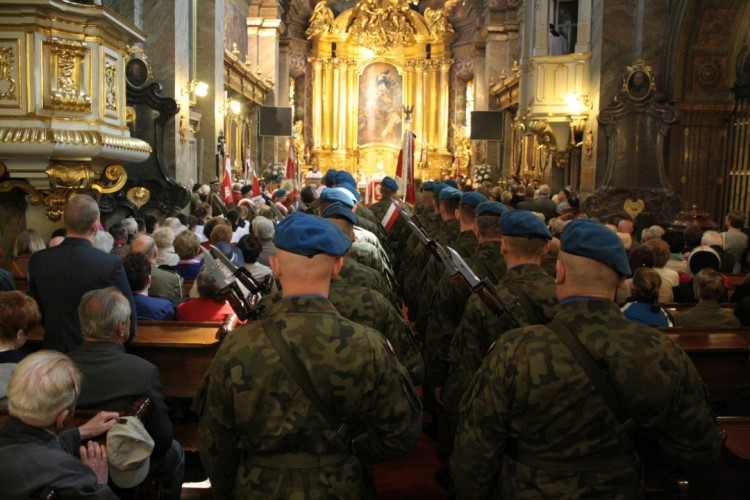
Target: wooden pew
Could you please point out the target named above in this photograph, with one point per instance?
(734, 280)
(719, 354)
(182, 350)
(187, 285)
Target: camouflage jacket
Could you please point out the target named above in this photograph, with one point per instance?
(250, 408)
(531, 397)
(354, 273)
(479, 327)
(448, 305)
(369, 308)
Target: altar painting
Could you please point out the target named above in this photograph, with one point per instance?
(380, 99)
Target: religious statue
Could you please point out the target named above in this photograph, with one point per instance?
(298, 139)
(462, 147)
(437, 19)
(320, 21)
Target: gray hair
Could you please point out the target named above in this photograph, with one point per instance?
(263, 228)
(101, 312)
(42, 385)
(104, 241)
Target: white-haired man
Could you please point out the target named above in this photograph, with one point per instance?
(35, 451)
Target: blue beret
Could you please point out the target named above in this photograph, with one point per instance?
(343, 177)
(333, 195)
(439, 186)
(449, 193)
(279, 193)
(429, 186)
(451, 183)
(524, 223)
(490, 208)
(279, 178)
(309, 235)
(389, 183)
(588, 238)
(472, 198)
(331, 175)
(339, 211)
(351, 187)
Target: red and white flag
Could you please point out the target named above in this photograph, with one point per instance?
(251, 171)
(226, 183)
(291, 172)
(390, 217)
(405, 168)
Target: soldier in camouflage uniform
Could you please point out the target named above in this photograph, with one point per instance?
(361, 251)
(397, 233)
(260, 435)
(524, 244)
(370, 308)
(532, 424)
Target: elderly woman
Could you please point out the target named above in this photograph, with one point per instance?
(27, 242)
(209, 306)
(264, 229)
(187, 244)
(164, 238)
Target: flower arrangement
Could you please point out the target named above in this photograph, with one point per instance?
(272, 172)
(482, 173)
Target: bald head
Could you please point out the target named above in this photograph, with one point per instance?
(146, 245)
(81, 216)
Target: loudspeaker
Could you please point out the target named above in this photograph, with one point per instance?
(274, 122)
(487, 125)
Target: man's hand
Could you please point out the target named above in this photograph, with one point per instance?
(94, 455)
(98, 425)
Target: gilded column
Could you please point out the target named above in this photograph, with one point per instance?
(354, 103)
(328, 105)
(432, 115)
(336, 105)
(443, 89)
(419, 104)
(317, 100)
(343, 103)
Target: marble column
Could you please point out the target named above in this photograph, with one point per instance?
(210, 69)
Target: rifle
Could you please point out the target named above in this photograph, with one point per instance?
(407, 214)
(487, 292)
(245, 307)
(276, 212)
(438, 251)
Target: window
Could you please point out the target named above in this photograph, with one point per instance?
(469, 105)
(565, 19)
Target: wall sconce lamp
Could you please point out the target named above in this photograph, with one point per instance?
(231, 106)
(579, 106)
(200, 88)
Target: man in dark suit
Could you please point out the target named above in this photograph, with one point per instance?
(543, 204)
(59, 276)
(114, 379)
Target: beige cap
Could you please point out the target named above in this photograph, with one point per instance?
(129, 448)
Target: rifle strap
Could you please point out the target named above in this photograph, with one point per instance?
(531, 308)
(297, 370)
(596, 375)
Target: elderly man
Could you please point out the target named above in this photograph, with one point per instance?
(218, 206)
(708, 286)
(164, 283)
(114, 379)
(262, 436)
(532, 422)
(35, 451)
(59, 276)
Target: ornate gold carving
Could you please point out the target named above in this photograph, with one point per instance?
(437, 19)
(54, 203)
(87, 137)
(7, 60)
(130, 114)
(36, 196)
(138, 196)
(382, 24)
(320, 21)
(110, 86)
(86, 177)
(298, 140)
(633, 208)
(116, 174)
(461, 148)
(68, 56)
